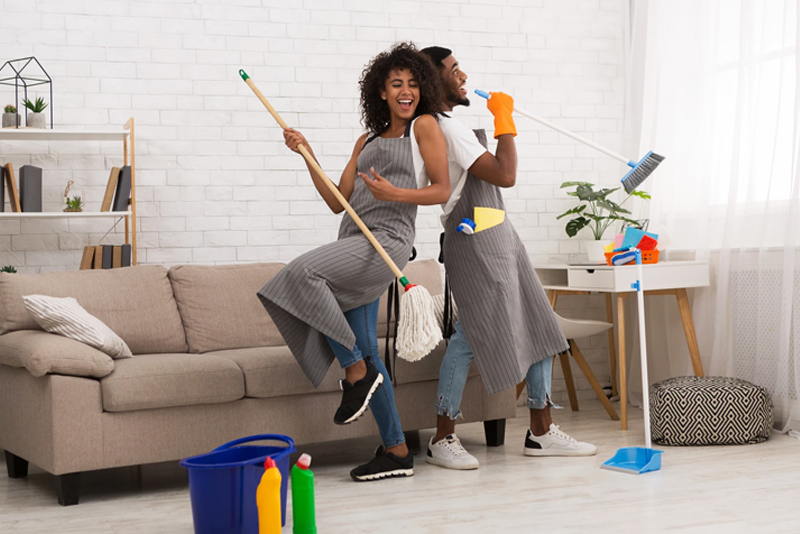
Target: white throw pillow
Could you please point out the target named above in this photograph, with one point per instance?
(66, 317)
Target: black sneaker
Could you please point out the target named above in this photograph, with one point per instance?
(384, 465)
(356, 397)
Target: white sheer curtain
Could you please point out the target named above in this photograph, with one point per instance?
(712, 86)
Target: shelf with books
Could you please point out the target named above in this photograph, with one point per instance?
(119, 201)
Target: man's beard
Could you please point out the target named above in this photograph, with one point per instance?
(457, 99)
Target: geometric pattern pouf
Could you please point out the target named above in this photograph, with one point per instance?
(715, 410)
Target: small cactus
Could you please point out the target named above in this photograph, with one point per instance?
(10, 109)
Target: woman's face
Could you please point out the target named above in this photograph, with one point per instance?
(401, 92)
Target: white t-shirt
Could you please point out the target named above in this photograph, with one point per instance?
(463, 148)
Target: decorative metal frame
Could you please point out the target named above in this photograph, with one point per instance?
(19, 79)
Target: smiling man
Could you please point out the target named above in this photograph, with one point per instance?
(504, 314)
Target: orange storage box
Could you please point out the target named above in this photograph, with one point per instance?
(648, 256)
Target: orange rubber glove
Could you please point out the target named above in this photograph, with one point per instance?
(502, 105)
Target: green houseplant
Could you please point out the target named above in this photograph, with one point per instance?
(598, 212)
(35, 117)
(72, 203)
(8, 269)
(10, 117)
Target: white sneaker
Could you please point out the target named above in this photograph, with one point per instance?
(556, 443)
(450, 454)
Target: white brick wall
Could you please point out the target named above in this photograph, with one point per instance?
(216, 184)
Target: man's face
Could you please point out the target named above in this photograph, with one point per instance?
(454, 82)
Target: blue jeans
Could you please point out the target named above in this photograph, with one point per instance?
(364, 322)
(455, 368)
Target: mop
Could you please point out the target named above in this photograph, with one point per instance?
(640, 170)
(638, 460)
(418, 332)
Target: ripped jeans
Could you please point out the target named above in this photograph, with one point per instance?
(455, 369)
(364, 323)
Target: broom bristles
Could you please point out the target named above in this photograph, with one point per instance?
(641, 171)
(418, 331)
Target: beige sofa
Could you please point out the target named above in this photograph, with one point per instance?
(209, 366)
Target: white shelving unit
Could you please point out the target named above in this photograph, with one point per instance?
(125, 135)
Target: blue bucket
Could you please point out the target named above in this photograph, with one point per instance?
(223, 483)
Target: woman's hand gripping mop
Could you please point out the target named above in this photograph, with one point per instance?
(418, 331)
(639, 170)
(638, 460)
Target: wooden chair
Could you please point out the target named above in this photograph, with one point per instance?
(576, 329)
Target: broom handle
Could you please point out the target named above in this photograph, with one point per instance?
(549, 124)
(643, 351)
(335, 190)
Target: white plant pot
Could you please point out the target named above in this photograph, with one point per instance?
(595, 251)
(36, 120)
(10, 120)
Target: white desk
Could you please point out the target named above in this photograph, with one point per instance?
(663, 278)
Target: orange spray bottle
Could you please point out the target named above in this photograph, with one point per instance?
(268, 499)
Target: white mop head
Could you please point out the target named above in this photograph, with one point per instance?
(418, 332)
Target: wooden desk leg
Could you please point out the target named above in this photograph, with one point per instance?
(553, 296)
(612, 350)
(587, 372)
(688, 330)
(568, 380)
(623, 387)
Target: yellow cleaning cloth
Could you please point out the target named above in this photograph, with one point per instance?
(486, 218)
(609, 247)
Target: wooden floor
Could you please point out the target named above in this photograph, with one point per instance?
(752, 489)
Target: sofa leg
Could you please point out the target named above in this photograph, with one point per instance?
(495, 431)
(68, 488)
(413, 441)
(17, 467)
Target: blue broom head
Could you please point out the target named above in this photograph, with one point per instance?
(641, 171)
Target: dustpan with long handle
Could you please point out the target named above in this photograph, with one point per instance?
(640, 170)
(418, 331)
(638, 460)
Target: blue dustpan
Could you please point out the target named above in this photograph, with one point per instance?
(634, 460)
(638, 460)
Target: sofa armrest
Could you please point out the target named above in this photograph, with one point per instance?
(42, 353)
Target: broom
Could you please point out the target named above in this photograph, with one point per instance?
(640, 170)
(417, 332)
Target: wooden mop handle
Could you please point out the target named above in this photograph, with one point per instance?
(335, 190)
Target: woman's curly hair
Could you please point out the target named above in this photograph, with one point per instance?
(374, 110)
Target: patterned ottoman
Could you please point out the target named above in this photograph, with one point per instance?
(714, 410)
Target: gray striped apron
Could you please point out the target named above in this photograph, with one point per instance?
(502, 306)
(307, 298)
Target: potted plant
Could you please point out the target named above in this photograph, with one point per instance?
(10, 117)
(598, 213)
(75, 202)
(35, 117)
(8, 269)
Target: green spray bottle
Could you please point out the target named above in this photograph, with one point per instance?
(303, 515)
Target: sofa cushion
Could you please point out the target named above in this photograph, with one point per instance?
(426, 273)
(135, 302)
(273, 372)
(164, 380)
(42, 353)
(67, 318)
(219, 306)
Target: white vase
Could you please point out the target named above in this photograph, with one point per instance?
(36, 120)
(595, 251)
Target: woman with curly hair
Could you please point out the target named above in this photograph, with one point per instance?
(325, 302)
